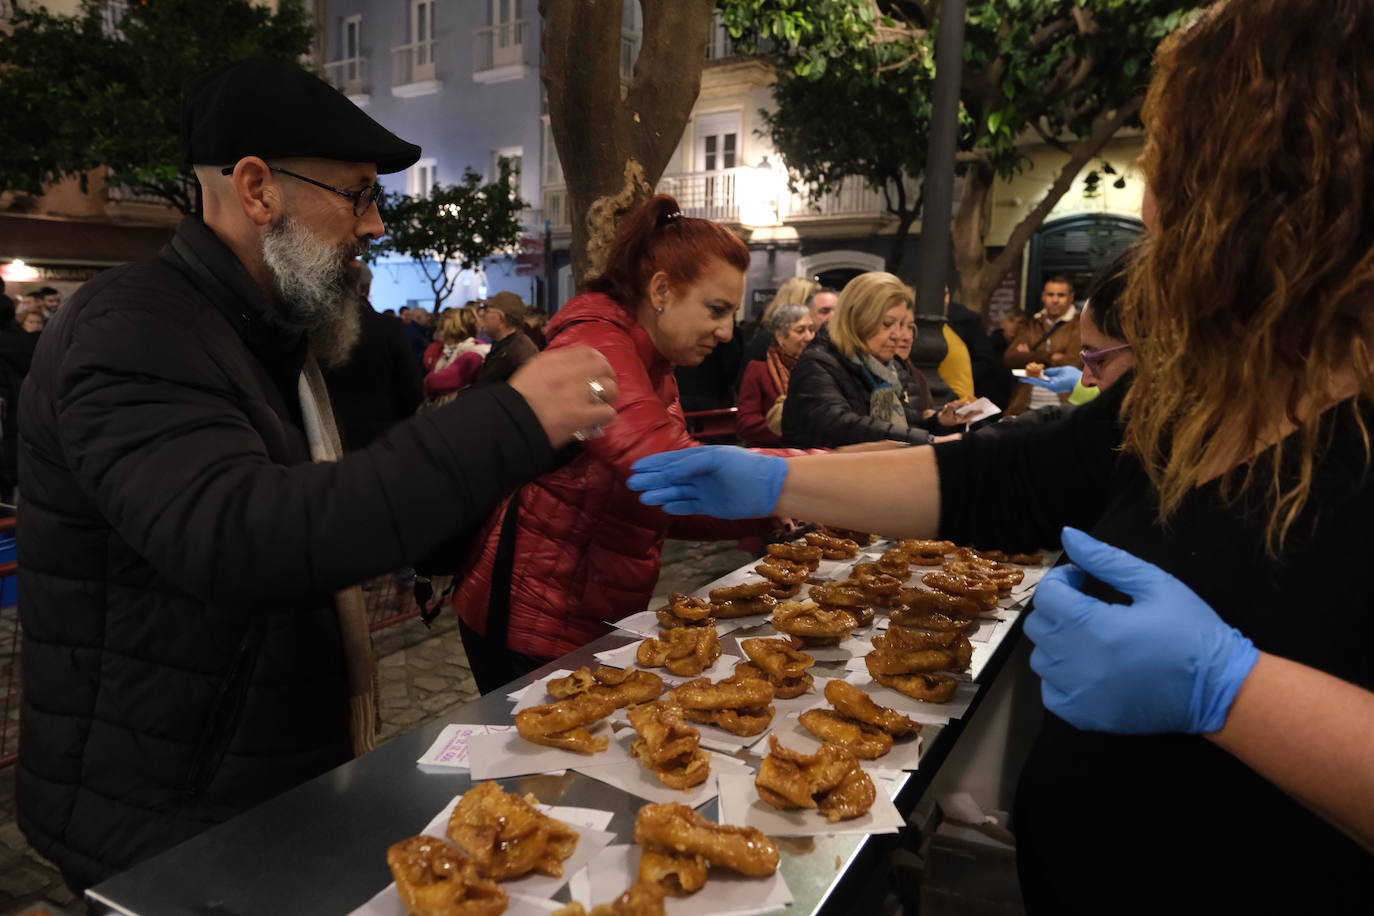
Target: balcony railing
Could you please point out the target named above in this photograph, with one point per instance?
(852, 198)
(414, 63)
(349, 75)
(708, 195)
(748, 196)
(500, 46)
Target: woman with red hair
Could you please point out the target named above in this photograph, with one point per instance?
(575, 550)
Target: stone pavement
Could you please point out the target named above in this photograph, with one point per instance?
(424, 676)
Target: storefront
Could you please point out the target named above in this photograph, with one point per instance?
(38, 251)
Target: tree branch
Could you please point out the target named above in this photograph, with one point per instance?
(1050, 138)
(1105, 127)
(1049, 31)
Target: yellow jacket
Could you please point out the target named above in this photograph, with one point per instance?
(957, 368)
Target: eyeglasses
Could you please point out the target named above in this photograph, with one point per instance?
(361, 199)
(1096, 360)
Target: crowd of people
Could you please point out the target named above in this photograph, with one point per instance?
(204, 435)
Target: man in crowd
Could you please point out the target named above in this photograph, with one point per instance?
(503, 316)
(985, 364)
(822, 304)
(1050, 338)
(420, 332)
(380, 384)
(50, 300)
(194, 638)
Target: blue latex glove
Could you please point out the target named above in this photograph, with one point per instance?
(1060, 379)
(718, 480)
(1165, 663)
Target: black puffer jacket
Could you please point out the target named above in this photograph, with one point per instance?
(179, 552)
(828, 399)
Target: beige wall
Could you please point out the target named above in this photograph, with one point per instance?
(741, 86)
(1012, 200)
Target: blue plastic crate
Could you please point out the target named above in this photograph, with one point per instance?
(9, 585)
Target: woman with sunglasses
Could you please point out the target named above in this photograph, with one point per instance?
(1106, 355)
(1232, 471)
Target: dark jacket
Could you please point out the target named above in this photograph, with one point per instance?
(507, 355)
(987, 365)
(711, 384)
(181, 655)
(379, 386)
(827, 403)
(16, 355)
(757, 395)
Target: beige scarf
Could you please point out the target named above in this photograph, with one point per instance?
(349, 604)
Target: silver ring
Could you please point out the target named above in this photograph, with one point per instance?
(598, 391)
(593, 432)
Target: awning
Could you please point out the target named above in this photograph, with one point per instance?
(47, 242)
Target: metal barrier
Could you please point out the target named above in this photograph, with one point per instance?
(391, 600)
(712, 425)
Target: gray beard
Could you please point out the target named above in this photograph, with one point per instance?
(317, 290)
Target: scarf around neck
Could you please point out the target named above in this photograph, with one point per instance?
(885, 403)
(350, 605)
(780, 368)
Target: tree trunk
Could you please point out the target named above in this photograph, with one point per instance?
(897, 250)
(968, 234)
(980, 275)
(615, 145)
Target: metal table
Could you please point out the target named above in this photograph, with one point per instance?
(321, 848)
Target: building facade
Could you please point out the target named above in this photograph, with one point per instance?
(460, 79)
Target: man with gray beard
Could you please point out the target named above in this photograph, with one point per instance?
(194, 638)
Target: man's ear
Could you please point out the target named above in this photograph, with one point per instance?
(257, 193)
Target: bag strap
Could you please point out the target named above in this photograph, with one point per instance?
(502, 574)
(1048, 334)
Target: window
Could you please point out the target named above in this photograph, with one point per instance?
(515, 157)
(505, 12)
(553, 168)
(350, 38)
(422, 178)
(717, 141)
(421, 21)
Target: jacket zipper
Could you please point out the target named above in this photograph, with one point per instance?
(199, 775)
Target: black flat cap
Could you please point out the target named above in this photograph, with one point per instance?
(274, 109)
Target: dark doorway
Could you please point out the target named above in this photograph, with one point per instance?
(1078, 247)
(837, 277)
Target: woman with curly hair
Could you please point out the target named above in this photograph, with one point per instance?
(1209, 736)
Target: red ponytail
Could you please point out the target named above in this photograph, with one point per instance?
(656, 236)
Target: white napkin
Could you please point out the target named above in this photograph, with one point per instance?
(507, 754)
(740, 804)
(725, 894)
(528, 892)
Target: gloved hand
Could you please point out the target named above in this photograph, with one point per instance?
(718, 480)
(1059, 379)
(1165, 663)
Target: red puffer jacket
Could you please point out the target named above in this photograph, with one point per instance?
(586, 549)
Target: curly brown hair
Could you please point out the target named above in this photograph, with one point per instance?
(1258, 278)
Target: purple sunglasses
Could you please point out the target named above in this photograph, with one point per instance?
(1095, 359)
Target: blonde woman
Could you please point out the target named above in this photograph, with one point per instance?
(461, 358)
(849, 386)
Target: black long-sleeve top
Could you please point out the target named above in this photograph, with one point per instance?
(1172, 823)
